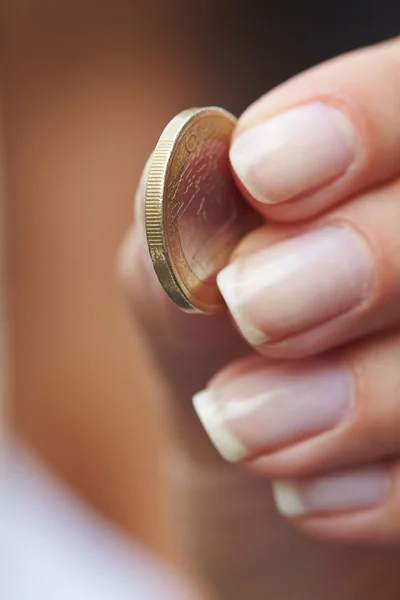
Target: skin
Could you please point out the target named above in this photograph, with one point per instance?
(225, 514)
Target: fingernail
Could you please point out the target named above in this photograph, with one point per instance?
(228, 445)
(350, 491)
(264, 409)
(293, 153)
(297, 284)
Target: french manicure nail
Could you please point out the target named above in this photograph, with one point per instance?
(294, 152)
(297, 284)
(274, 406)
(228, 445)
(349, 491)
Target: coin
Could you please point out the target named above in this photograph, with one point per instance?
(194, 213)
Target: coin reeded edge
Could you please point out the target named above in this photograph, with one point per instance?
(154, 209)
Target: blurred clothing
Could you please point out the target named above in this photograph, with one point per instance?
(54, 547)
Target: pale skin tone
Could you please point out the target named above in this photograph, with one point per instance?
(312, 412)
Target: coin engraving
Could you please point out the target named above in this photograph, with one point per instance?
(209, 206)
(191, 143)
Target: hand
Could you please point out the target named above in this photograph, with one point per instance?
(319, 157)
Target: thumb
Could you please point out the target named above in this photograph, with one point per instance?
(187, 348)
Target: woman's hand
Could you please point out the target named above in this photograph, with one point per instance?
(315, 406)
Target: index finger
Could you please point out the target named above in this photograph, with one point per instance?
(323, 136)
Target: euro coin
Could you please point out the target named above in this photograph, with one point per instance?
(194, 213)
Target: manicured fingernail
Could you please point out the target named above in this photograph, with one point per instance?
(294, 152)
(264, 409)
(350, 491)
(228, 445)
(297, 284)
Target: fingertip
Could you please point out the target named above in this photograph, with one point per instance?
(227, 444)
(294, 152)
(226, 281)
(287, 500)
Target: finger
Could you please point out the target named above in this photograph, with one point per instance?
(312, 427)
(291, 419)
(187, 349)
(328, 283)
(288, 420)
(323, 136)
(205, 343)
(359, 385)
(357, 506)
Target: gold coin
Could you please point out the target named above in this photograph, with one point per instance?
(194, 213)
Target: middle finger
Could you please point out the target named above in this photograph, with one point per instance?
(333, 281)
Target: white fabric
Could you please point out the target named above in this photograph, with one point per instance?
(54, 548)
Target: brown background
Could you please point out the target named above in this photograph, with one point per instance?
(87, 88)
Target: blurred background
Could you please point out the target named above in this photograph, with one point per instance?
(87, 88)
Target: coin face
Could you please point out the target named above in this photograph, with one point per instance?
(194, 213)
